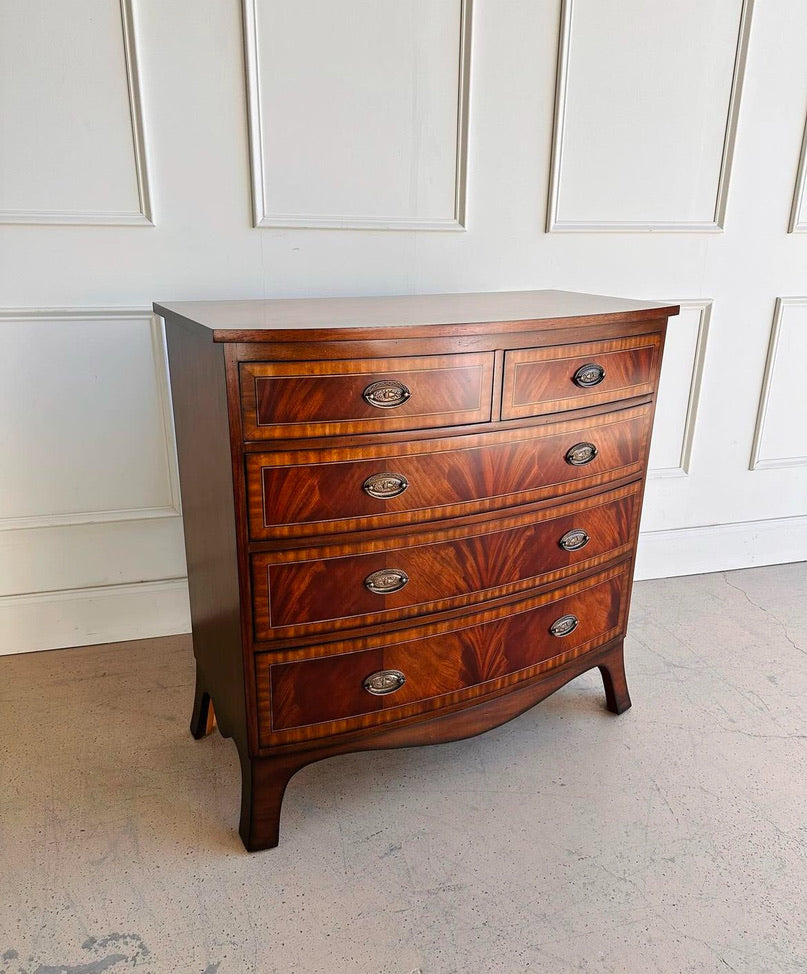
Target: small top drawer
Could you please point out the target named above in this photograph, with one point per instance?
(306, 399)
(547, 380)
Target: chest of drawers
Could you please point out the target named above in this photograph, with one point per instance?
(407, 520)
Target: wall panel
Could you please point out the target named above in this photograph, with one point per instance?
(358, 112)
(89, 500)
(679, 390)
(798, 213)
(646, 111)
(359, 119)
(87, 433)
(780, 436)
(71, 133)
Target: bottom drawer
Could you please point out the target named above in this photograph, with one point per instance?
(302, 697)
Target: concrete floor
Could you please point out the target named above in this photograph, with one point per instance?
(668, 840)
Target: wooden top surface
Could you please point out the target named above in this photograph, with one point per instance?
(418, 315)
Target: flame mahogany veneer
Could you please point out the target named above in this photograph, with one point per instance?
(407, 519)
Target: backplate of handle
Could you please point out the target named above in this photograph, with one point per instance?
(386, 393)
(386, 580)
(590, 374)
(581, 454)
(564, 625)
(383, 682)
(574, 540)
(384, 485)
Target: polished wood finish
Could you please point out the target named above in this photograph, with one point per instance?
(203, 718)
(301, 494)
(410, 315)
(320, 590)
(199, 396)
(324, 695)
(276, 442)
(542, 380)
(265, 778)
(282, 400)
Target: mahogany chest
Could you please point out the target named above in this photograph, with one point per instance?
(407, 519)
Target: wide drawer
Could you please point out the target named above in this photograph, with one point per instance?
(305, 399)
(320, 492)
(546, 380)
(298, 592)
(434, 667)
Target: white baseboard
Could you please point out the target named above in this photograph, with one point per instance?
(116, 613)
(83, 617)
(721, 547)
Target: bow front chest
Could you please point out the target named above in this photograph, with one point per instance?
(407, 519)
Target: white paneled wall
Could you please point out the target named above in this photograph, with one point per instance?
(70, 117)
(392, 127)
(684, 355)
(665, 91)
(780, 437)
(798, 216)
(304, 147)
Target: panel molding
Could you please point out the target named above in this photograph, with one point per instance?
(757, 462)
(160, 363)
(261, 215)
(716, 224)
(721, 547)
(704, 306)
(141, 217)
(116, 613)
(798, 211)
(85, 617)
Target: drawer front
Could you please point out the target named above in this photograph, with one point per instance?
(298, 593)
(305, 399)
(311, 697)
(321, 492)
(547, 380)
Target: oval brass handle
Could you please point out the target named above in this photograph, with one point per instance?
(386, 393)
(589, 375)
(384, 682)
(564, 625)
(386, 580)
(574, 540)
(581, 454)
(384, 485)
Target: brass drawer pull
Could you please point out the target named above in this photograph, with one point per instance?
(564, 625)
(384, 485)
(386, 393)
(574, 540)
(589, 375)
(384, 682)
(581, 454)
(386, 580)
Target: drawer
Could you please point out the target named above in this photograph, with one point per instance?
(303, 492)
(300, 592)
(548, 380)
(434, 667)
(305, 399)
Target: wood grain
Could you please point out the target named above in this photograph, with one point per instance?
(275, 443)
(301, 494)
(269, 774)
(408, 316)
(198, 390)
(302, 399)
(541, 380)
(304, 591)
(324, 695)
(442, 341)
